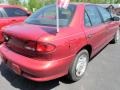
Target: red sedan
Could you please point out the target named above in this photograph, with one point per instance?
(35, 50)
(11, 14)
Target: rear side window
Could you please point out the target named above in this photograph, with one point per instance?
(14, 12)
(105, 14)
(93, 15)
(87, 20)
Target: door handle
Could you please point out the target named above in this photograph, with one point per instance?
(13, 20)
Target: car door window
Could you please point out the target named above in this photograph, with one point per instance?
(87, 20)
(93, 15)
(105, 14)
(1, 14)
(14, 12)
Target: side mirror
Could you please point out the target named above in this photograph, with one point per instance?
(28, 14)
(115, 18)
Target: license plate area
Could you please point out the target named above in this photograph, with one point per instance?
(15, 68)
(4, 60)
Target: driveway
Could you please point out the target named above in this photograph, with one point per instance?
(103, 73)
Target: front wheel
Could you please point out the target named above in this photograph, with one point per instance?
(79, 65)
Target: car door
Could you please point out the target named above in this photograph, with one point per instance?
(1, 17)
(15, 15)
(110, 25)
(94, 28)
(1, 22)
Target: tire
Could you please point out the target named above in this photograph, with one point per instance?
(116, 37)
(75, 73)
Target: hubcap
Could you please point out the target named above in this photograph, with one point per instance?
(81, 65)
(118, 35)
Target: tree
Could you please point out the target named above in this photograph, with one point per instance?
(14, 2)
(33, 4)
(1, 1)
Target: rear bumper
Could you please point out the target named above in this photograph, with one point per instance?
(1, 37)
(37, 70)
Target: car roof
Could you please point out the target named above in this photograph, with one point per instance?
(7, 5)
(107, 5)
(83, 3)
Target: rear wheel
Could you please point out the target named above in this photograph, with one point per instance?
(116, 37)
(79, 65)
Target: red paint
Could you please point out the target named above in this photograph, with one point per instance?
(42, 54)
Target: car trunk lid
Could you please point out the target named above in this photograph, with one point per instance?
(20, 35)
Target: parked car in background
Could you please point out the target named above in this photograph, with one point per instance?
(34, 49)
(114, 9)
(11, 14)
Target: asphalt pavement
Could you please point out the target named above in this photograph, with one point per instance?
(103, 73)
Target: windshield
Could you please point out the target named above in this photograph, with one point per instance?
(47, 16)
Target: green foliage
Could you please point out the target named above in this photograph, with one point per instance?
(36, 4)
(14, 2)
(1, 1)
(32, 5)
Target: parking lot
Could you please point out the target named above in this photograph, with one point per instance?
(103, 73)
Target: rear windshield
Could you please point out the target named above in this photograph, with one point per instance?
(47, 16)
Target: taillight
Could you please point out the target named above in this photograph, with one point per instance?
(45, 47)
(39, 47)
